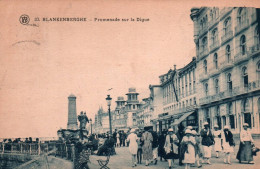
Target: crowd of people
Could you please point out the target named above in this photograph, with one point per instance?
(190, 147)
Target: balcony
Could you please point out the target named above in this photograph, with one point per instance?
(255, 85)
(203, 30)
(227, 65)
(204, 52)
(242, 26)
(213, 71)
(240, 58)
(226, 37)
(254, 49)
(214, 45)
(221, 95)
(203, 76)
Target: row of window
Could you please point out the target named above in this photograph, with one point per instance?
(182, 104)
(243, 50)
(244, 76)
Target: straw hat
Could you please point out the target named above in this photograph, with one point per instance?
(215, 126)
(205, 123)
(188, 131)
(194, 132)
(189, 127)
(132, 130)
(170, 130)
(226, 127)
(245, 124)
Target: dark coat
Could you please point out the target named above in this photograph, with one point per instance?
(155, 140)
(207, 138)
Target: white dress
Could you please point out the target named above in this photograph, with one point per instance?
(217, 140)
(132, 143)
(117, 138)
(189, 158)
(226, 147)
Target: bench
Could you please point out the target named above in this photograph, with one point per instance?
(103, 163)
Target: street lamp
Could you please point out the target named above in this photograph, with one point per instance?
(90, 120)
(109, 114)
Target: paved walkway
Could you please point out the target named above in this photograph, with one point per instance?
(123, 161)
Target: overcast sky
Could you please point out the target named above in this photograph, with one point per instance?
(41, 66)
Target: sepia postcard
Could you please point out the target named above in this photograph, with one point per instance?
(129, 84)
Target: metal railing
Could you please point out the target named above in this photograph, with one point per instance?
(61, 149)
(226, 36)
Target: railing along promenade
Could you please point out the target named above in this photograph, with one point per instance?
(62, 150)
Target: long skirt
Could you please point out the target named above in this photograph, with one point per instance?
(207, 151)
(227, 148)
(189, 156)
(217, 146)
(245, 151)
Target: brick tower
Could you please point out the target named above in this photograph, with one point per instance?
(72, 113)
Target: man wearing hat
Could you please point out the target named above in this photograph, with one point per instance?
(207, 141)
(245, 147)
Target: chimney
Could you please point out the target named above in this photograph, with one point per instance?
(174, 66)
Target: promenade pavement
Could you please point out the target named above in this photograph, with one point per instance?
(122, 160)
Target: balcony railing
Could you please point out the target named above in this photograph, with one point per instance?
(227, 36)
(203, 30)
(214, 45)
(204, 52)
(238, 90)
(242, 26)
(203, 76)
(240, 58)
(219, 96)
(227, 64)
(254, 49)
(255, 85)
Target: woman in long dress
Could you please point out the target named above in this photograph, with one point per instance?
(245, 147)
(117, 139)
(147, 139)
(227, 144)
(189, 153)
(198, 152)
(217, 139)
(132, 138)
(171, 147)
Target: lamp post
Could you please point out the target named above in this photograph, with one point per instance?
(90, 120)
(109, 114)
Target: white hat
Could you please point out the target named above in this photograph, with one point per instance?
(132, 130)
(170, 129)
(215, 126)
(188, 131)
(245, 124)
(205, 123)
(194, 132)
(226, 127)
(189, 127)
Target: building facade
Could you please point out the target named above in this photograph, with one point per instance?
(179, 105)
(228, 66)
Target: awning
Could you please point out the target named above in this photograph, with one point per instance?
(183, 117)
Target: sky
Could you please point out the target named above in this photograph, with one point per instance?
(40, 66)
